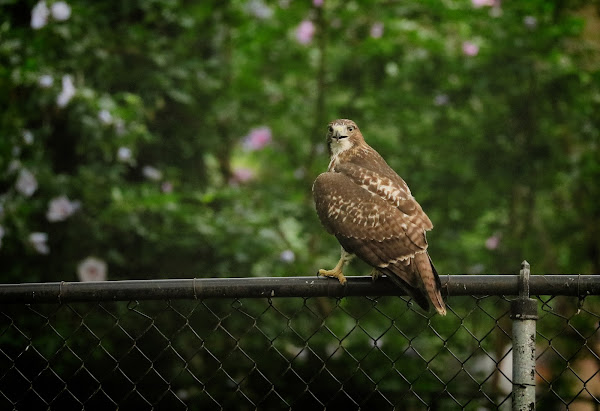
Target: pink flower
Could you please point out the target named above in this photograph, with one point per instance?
(377, 30)
(482, 3)
(241, 175)
(492, 242)
(166, 187)
(257, 139)
(470, 49)
(60, 208)
(305, 32)
(318, 3)
(91, 269)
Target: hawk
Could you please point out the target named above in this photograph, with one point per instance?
(371, 211)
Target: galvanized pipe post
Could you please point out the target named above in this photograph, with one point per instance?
(524, 316)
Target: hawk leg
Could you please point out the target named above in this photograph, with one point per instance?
(336, 272)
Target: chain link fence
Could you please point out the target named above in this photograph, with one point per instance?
(301, 343)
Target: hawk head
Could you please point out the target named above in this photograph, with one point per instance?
(342, 135)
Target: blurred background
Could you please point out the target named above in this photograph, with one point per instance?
(163, 138)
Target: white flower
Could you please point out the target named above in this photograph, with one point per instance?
(27, 137)
(300, 354)
(13, 166)
(287, 256)
(530, 22)
(39, 15)
(91, 269)
(119, 127)
(376, 30)
(441, 99)
(46, 80)
(39, 242)
(124, 154)
(151, 173)
(392, 69)
(60, 208)
(259, 9)
(26, 183)
(299, 173)
(105, 117)
(61, 11)
(334, 349)
(67, 92)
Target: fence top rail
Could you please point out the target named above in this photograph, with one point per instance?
(269, 287)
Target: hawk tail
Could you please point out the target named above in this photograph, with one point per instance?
(431, 281)
(398, 277)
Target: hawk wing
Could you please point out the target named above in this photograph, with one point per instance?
(366, 224)
(370, 171)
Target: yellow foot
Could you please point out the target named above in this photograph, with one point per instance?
(375, 274)
(333, 273)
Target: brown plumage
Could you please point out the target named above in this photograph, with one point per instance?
(372, 213)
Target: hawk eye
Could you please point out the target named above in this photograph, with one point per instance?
(330, 129)
(350, 128)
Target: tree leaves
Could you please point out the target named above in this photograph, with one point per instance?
(488, 111)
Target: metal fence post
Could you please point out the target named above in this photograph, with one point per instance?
(524, 316)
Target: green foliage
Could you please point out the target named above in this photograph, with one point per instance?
(487, 112)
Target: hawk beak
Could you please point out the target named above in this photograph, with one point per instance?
(339, 132)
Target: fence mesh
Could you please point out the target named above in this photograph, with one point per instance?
(301, 353)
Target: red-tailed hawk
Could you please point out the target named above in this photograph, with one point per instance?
(370, 210)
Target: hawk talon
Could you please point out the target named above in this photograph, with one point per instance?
(375, 274)
(336, 272)
(333, 274)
